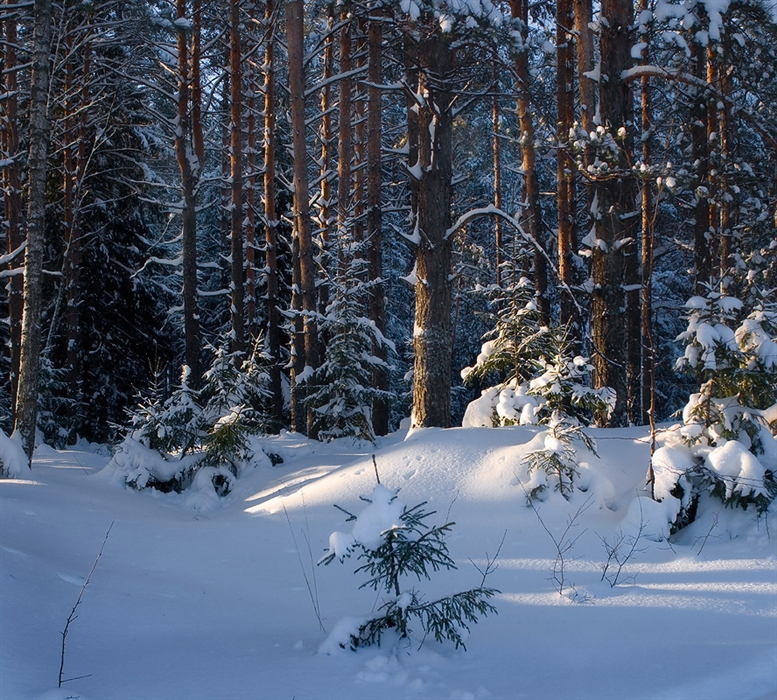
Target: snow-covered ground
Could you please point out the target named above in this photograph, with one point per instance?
(196, 597)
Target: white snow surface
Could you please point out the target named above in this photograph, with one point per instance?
(218, 603)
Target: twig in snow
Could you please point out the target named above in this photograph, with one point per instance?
(564, 543)
(491, 565)
(312, 589)
(72, 616)
(709, 532)
(616, 559)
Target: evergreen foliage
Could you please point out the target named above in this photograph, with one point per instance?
(396, 543)
(733, 354)
(191, 430)
(341, 391)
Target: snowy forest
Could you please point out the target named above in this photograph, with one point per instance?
(515, 259)
(326, 217)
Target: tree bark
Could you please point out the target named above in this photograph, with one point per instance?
(615, 222)
(700, 157)
(183, 152)
(533, 212)
(377, 307)
(12, 197)
(345, 141)
(27, 393)
(302, 223)
(236, 177)
(566, 167)
(432, 335)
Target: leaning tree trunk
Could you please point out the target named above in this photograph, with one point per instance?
(432, 337)
(27, 393)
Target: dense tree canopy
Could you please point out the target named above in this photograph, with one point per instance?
(372, 189)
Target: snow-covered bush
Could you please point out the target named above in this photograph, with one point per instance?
(13, 460)
(558, 456)
(396, 543)
(726, 424)
(170, 440)
(552, 382)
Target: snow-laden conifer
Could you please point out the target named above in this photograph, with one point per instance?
(396, 543)
(341, 391)
(733, 354)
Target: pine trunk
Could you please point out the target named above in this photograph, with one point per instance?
(12, 198)
(189, 214)
(37, 163)
(271, 221)
(615, 222)
(302, 224)
(432, 335)
(566, 167)
(377, 304)
(236, 178)
(533, 212)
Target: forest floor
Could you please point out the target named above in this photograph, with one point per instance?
(199, 597)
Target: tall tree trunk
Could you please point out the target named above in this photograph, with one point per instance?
(359, 136)
(236, 177)
(432, 337)
(584, 41)
(271, 220)
(648, 242)
(377, 308)
(326, 218)
(345, 141)
(302, 224)
(74, 162)
(700, 158)
(189, 215)
(12, 196)
(497, 155)
(566, 167)
(533, 213)
(252, 88)
(724, 207)
(615, 222)
(37, 163)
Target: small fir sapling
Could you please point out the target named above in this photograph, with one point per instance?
(558, 457)
(341, 391)
(733, 354)
(564, 400)
(171, 440)
(396, 543)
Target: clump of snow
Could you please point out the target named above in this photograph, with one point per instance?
(738, 468)
(345, 629)
(13, 460)
(136, 465)
(383, 512)
(650, 519)
(670, 468)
